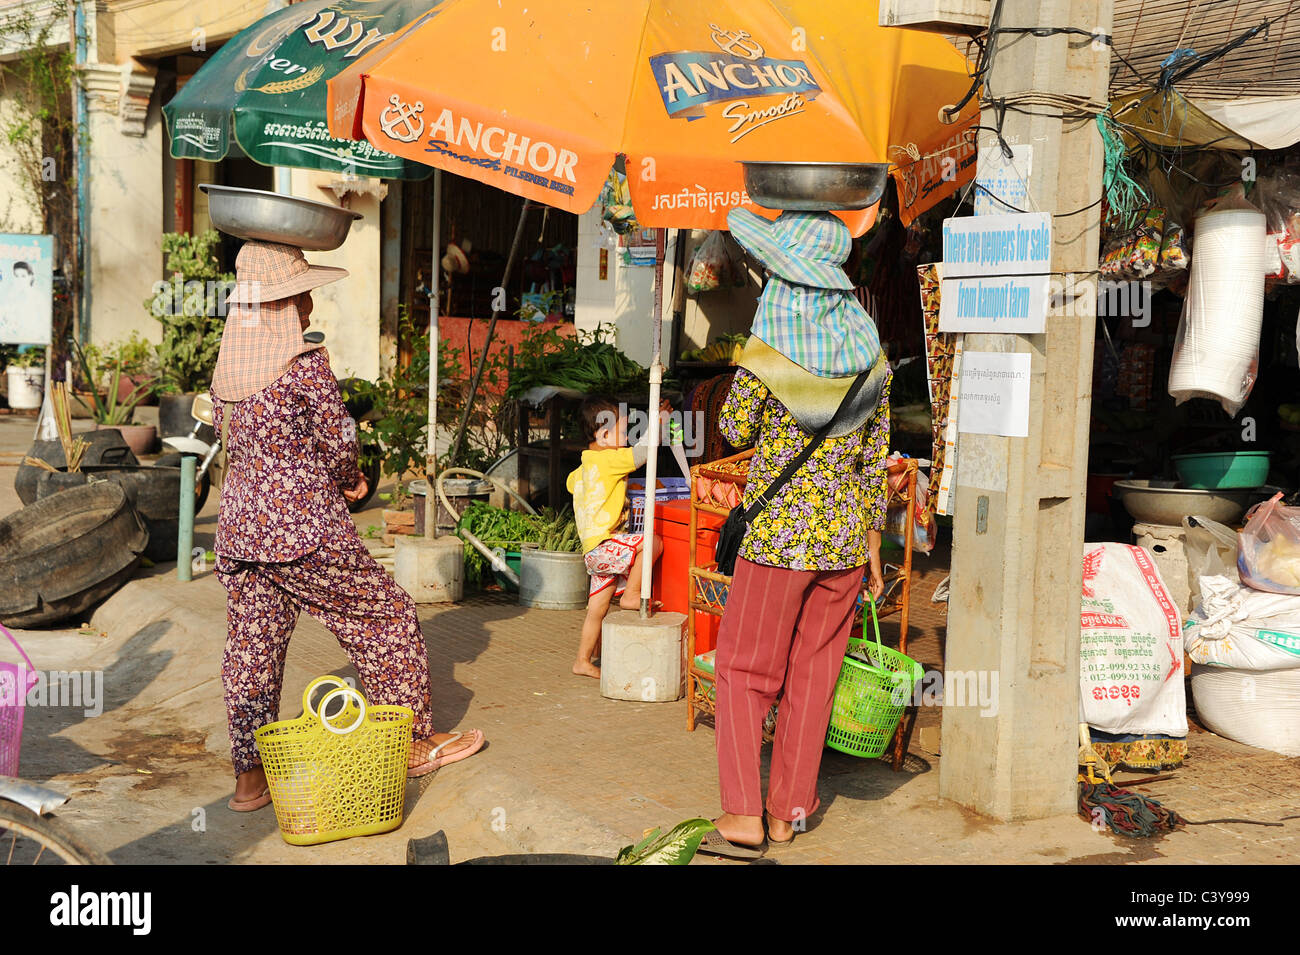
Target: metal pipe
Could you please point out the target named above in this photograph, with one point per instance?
(651, 475)
(435, 306)
(81, 208)
(185, 536)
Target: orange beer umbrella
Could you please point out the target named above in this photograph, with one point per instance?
(538, 97)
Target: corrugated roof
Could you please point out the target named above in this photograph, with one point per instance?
(1146, 32)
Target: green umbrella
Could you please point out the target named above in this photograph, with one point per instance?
(266, 88)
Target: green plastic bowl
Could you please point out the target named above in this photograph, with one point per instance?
(1218, 471)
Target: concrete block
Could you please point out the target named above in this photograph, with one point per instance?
(642, 659)
(431, 571)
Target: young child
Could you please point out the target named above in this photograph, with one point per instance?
(599, 489)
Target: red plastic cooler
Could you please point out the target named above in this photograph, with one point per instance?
(672, 582)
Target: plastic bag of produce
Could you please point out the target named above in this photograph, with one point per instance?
(924, 527)
(1268, 548)
(1211, 551)
(1130, 647)
(1236, 626)
(710, 266)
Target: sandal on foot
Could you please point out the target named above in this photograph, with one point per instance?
(434, 761)
(250, 805)
(777, 843)
(715, 843)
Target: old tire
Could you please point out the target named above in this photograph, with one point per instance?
(105, 447)
(62, 555)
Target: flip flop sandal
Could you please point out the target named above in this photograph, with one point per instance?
(716, 844)
(433, 762)
(250, 805)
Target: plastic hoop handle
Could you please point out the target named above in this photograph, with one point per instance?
(327, 680)
(342, 691)
(871, 600)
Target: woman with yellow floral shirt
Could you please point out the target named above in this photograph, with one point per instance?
(801, 566)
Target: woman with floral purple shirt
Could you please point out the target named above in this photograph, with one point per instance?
(285, 541)
(812, 366)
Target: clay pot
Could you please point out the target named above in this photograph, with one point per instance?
(140, 438)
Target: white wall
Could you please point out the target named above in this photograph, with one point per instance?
(124, 239)
(347, 311)
(18, 209)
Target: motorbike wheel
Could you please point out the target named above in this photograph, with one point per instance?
(202, 486)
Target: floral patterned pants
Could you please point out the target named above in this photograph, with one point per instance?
(344, 588)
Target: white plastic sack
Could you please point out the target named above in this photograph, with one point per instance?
(1252, 707)
(1247, 629)
(1130, 646)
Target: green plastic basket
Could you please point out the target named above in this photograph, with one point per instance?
(870, 698)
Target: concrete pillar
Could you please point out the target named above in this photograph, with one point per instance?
(124, 219)
(1013, 614)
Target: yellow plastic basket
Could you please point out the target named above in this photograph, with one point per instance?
(334, 775)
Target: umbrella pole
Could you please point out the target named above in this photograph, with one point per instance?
(651, 473)
(435, 306)
(487, 342)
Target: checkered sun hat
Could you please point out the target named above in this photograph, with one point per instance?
(259, 344)
(268, 271)
(805, 248)
(824, 331)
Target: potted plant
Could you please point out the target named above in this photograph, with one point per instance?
(139, 366)
(26, 379)
(108, 410)
(190, 305)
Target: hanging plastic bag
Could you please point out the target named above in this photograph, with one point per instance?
(1211, 550)
(1268, 548)
(709, 268)
(924, 526)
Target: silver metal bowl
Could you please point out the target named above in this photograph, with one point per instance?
(275, 217)
(816, 186)
(1164, 502)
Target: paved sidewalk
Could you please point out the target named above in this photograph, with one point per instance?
(565, 770)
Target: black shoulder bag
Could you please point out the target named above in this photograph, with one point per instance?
(733, 531)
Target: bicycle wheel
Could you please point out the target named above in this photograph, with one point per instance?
(29, 839)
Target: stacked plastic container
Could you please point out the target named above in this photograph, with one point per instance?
(1216, 354)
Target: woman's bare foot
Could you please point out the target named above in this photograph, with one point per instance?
(740, 830)
(586, 668)
(778, 830)
(250, 784)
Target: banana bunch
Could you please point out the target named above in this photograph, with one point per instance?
(724, 349)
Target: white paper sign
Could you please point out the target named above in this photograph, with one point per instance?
(26, 289)
(995, 274)
(995, 394)
(1002, 184)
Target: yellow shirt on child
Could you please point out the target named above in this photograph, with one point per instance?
(599, 488)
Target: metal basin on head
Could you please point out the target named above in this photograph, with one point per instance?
(815, 186)
(274, 217)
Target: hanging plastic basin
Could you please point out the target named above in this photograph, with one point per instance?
(1217, 471)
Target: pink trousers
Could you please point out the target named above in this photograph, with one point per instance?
(343, 587)
(784, 632)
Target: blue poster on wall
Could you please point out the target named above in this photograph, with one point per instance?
(26, 289)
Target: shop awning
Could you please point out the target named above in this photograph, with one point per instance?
(1234, 82)
(263, 92)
